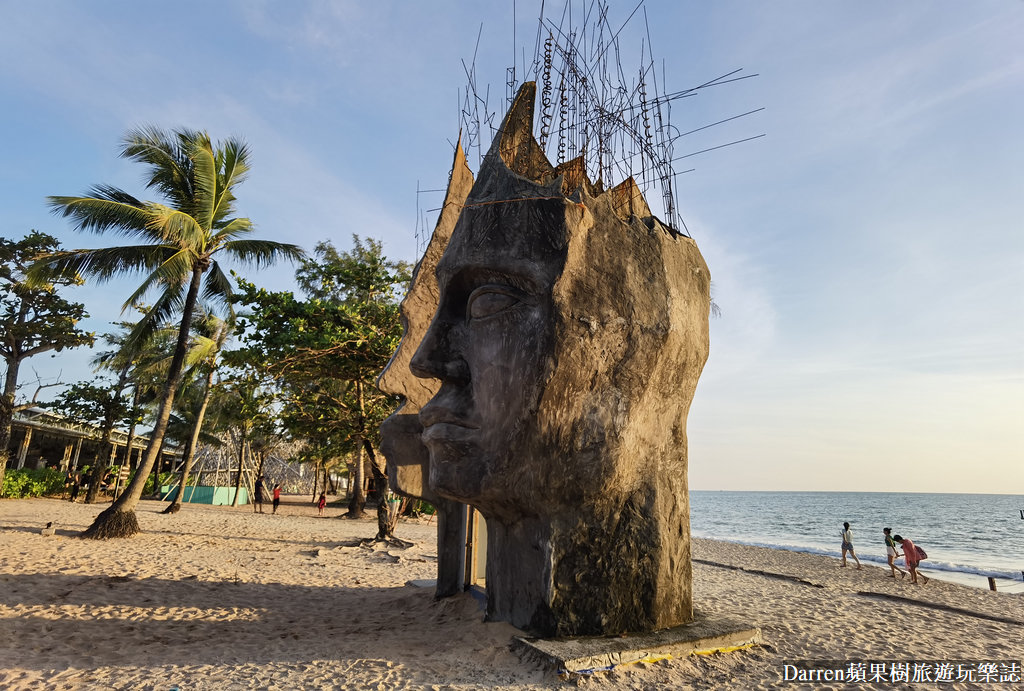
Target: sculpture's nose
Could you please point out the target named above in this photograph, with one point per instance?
(437, 356)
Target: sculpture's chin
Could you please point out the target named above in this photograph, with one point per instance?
(454, 473)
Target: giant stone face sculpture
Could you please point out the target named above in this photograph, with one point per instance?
(571, 329)
(407, 459)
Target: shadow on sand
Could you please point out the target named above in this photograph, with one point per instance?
(205, 622)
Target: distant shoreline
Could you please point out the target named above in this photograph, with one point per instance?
(858, 491)
(972, 579)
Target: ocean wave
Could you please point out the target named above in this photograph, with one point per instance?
(926, 565)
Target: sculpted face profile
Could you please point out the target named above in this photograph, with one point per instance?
(407, 458)
(570, 331)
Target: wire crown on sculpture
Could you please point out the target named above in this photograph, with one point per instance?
(590, 105)
(617, 119)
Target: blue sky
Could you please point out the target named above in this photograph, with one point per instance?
(867, 253)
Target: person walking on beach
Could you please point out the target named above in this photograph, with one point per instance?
(277, 496)
(257, 495)
(321, 504)
(76, 485)
(891, 553)
(847, 536)
(912, 556)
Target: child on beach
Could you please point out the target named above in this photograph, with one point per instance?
(847, 537)
(76, 485)
(912, 556)
(257, 504)
(277, 495)
(891, 553)
(321, 504)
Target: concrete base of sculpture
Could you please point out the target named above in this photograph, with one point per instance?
(700, 636)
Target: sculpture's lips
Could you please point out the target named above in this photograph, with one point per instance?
(430, 417)
(442, 425)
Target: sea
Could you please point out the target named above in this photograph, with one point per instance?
(969, 538)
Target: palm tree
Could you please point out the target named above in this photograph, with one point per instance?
(245, 408)
(203, 358)
(133, 368)
(179, 243)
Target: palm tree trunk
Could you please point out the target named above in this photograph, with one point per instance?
(385, 520)
(131, 429)
(242, 442)
(99, 466)
(7, 415)
(355, 507)
(193, 444)
(119, 519)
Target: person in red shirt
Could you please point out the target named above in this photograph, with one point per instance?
(912, 556)
(321, 504)
(277, 496)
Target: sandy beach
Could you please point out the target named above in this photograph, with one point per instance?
(222, 598)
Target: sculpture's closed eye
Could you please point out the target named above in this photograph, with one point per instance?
(491, 299)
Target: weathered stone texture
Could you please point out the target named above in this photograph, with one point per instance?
(570, 331)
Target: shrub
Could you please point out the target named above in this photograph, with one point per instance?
(419, 507)
(163, 479)
(19, 484)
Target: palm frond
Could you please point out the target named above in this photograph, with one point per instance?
(99, 213)
(263, 253)
(233, 230)
(169, 164)
(100, 264)
(208, 322)
(106, 359)
(201, 351)
(172, 273)
(234, 166)
(155, 319)
(204, 173)
(178, 228)
(189, 138)
(217, 287)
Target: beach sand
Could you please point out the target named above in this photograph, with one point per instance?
(222, 598)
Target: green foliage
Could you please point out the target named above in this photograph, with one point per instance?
(176, 245)
(141, 368)
(34, 319)
(245, 402)
(180, 240)
(157, 480)
(96, 403)
(326, 351)
(362, 275)
(421, 507)
(20, 484)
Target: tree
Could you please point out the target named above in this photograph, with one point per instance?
(97, 403)
(34, 319)
(181, 241)
(136, 366)
(327, 351)
(245, 407)
(203, 358)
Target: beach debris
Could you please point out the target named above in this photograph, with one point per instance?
(941, 607)
(48, 530)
